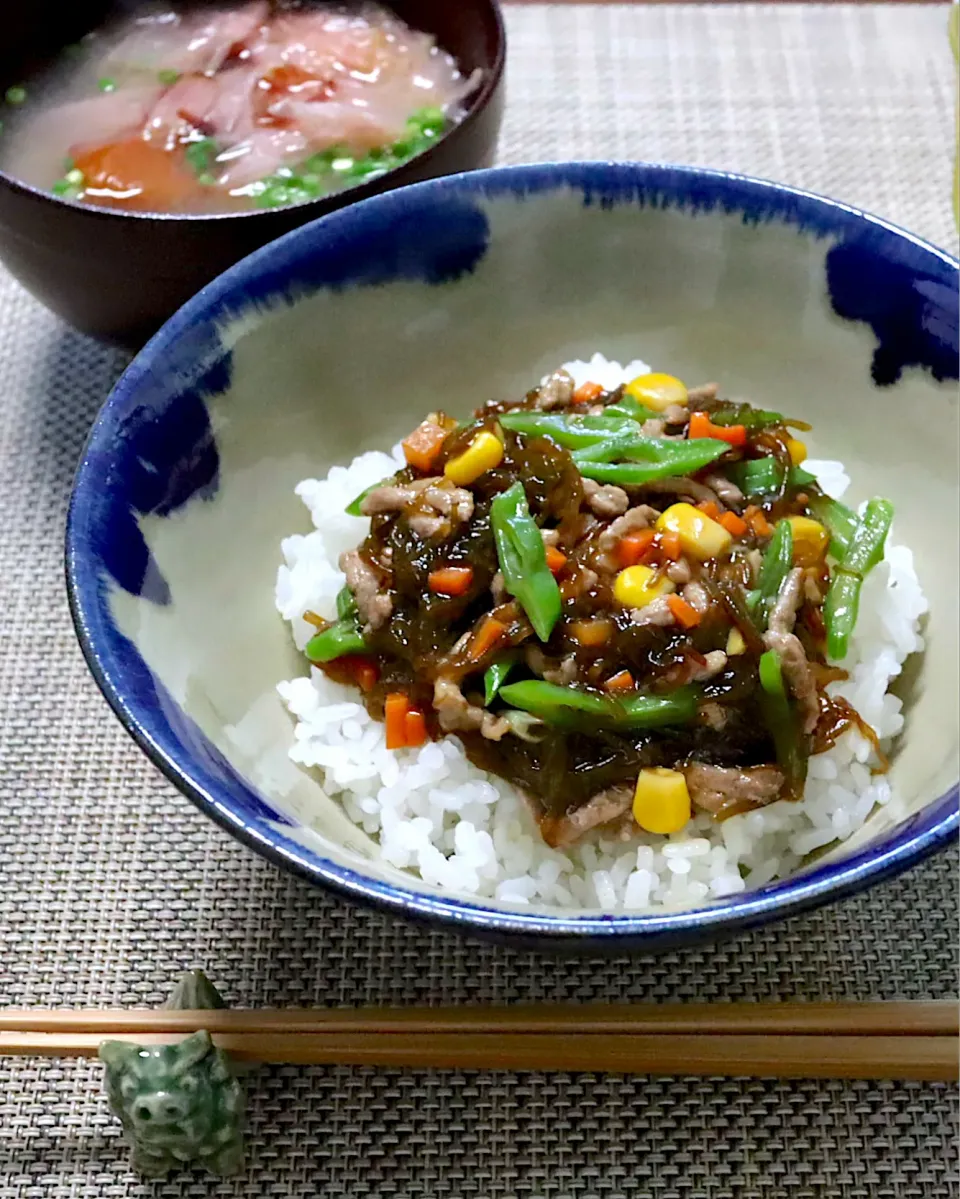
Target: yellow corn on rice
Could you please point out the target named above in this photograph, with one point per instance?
(661, 801)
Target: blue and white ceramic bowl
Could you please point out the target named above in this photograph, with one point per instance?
(336, 338)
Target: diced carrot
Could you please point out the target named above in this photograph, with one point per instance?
(670, 546)
(709, 508)
(632, 548)
(395, 709)
(367, 676)
(485, 638)
(586, 393)
(317, 621)
(757, 521)
(684, 614)
(422, 448)
(556, 559)
(591, 633)
(621, 681)
(450, 580)
(735, 435)
(415, 728)
(733, 524)
(365, 671)
(702, 426)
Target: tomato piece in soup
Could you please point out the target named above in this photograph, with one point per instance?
(287, 82)
(134, 173)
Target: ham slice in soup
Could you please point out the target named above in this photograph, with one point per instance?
(99, 119)
(332, 123)
(228, 33)
(63, 130)
(260, 155)
(183, 107)
(197, 42)
(232, 112)
(217, 107)
(319, 42)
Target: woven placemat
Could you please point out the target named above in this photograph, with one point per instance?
(112, 882)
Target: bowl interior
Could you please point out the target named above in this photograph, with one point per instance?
(341, 336)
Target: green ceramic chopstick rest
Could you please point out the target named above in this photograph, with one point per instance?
(180, 1105)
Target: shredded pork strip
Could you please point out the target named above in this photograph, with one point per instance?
(793, 660)
(605, 500)
(725, 790)
(605, 807)
(455, 713)
(373, 604)
(556, 391)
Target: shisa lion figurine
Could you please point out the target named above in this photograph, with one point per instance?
(180, 1105)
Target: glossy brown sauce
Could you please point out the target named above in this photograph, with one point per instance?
(836, 717)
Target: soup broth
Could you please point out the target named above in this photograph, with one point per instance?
(222, 110)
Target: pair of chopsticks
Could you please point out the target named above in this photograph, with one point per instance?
(776, 1040)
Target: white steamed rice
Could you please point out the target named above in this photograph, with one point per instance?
(464, 830)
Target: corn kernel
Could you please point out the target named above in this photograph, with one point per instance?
(735, 643)
(657, 391)
(700, 535)
(482, 454)
(797, 449)
(661, 801)
(636, 586)
(810, 540)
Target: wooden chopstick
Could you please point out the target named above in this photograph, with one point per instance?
(781, 1040)
(924, 1059)
(933, 1018)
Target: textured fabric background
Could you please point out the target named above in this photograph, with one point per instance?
(112, 883)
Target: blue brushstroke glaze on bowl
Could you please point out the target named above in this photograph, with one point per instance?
(915, 316)
(164, 456)
(152, 452)
(367, 252)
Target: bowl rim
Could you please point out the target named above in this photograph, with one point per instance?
(821, 884)
(323, 205)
